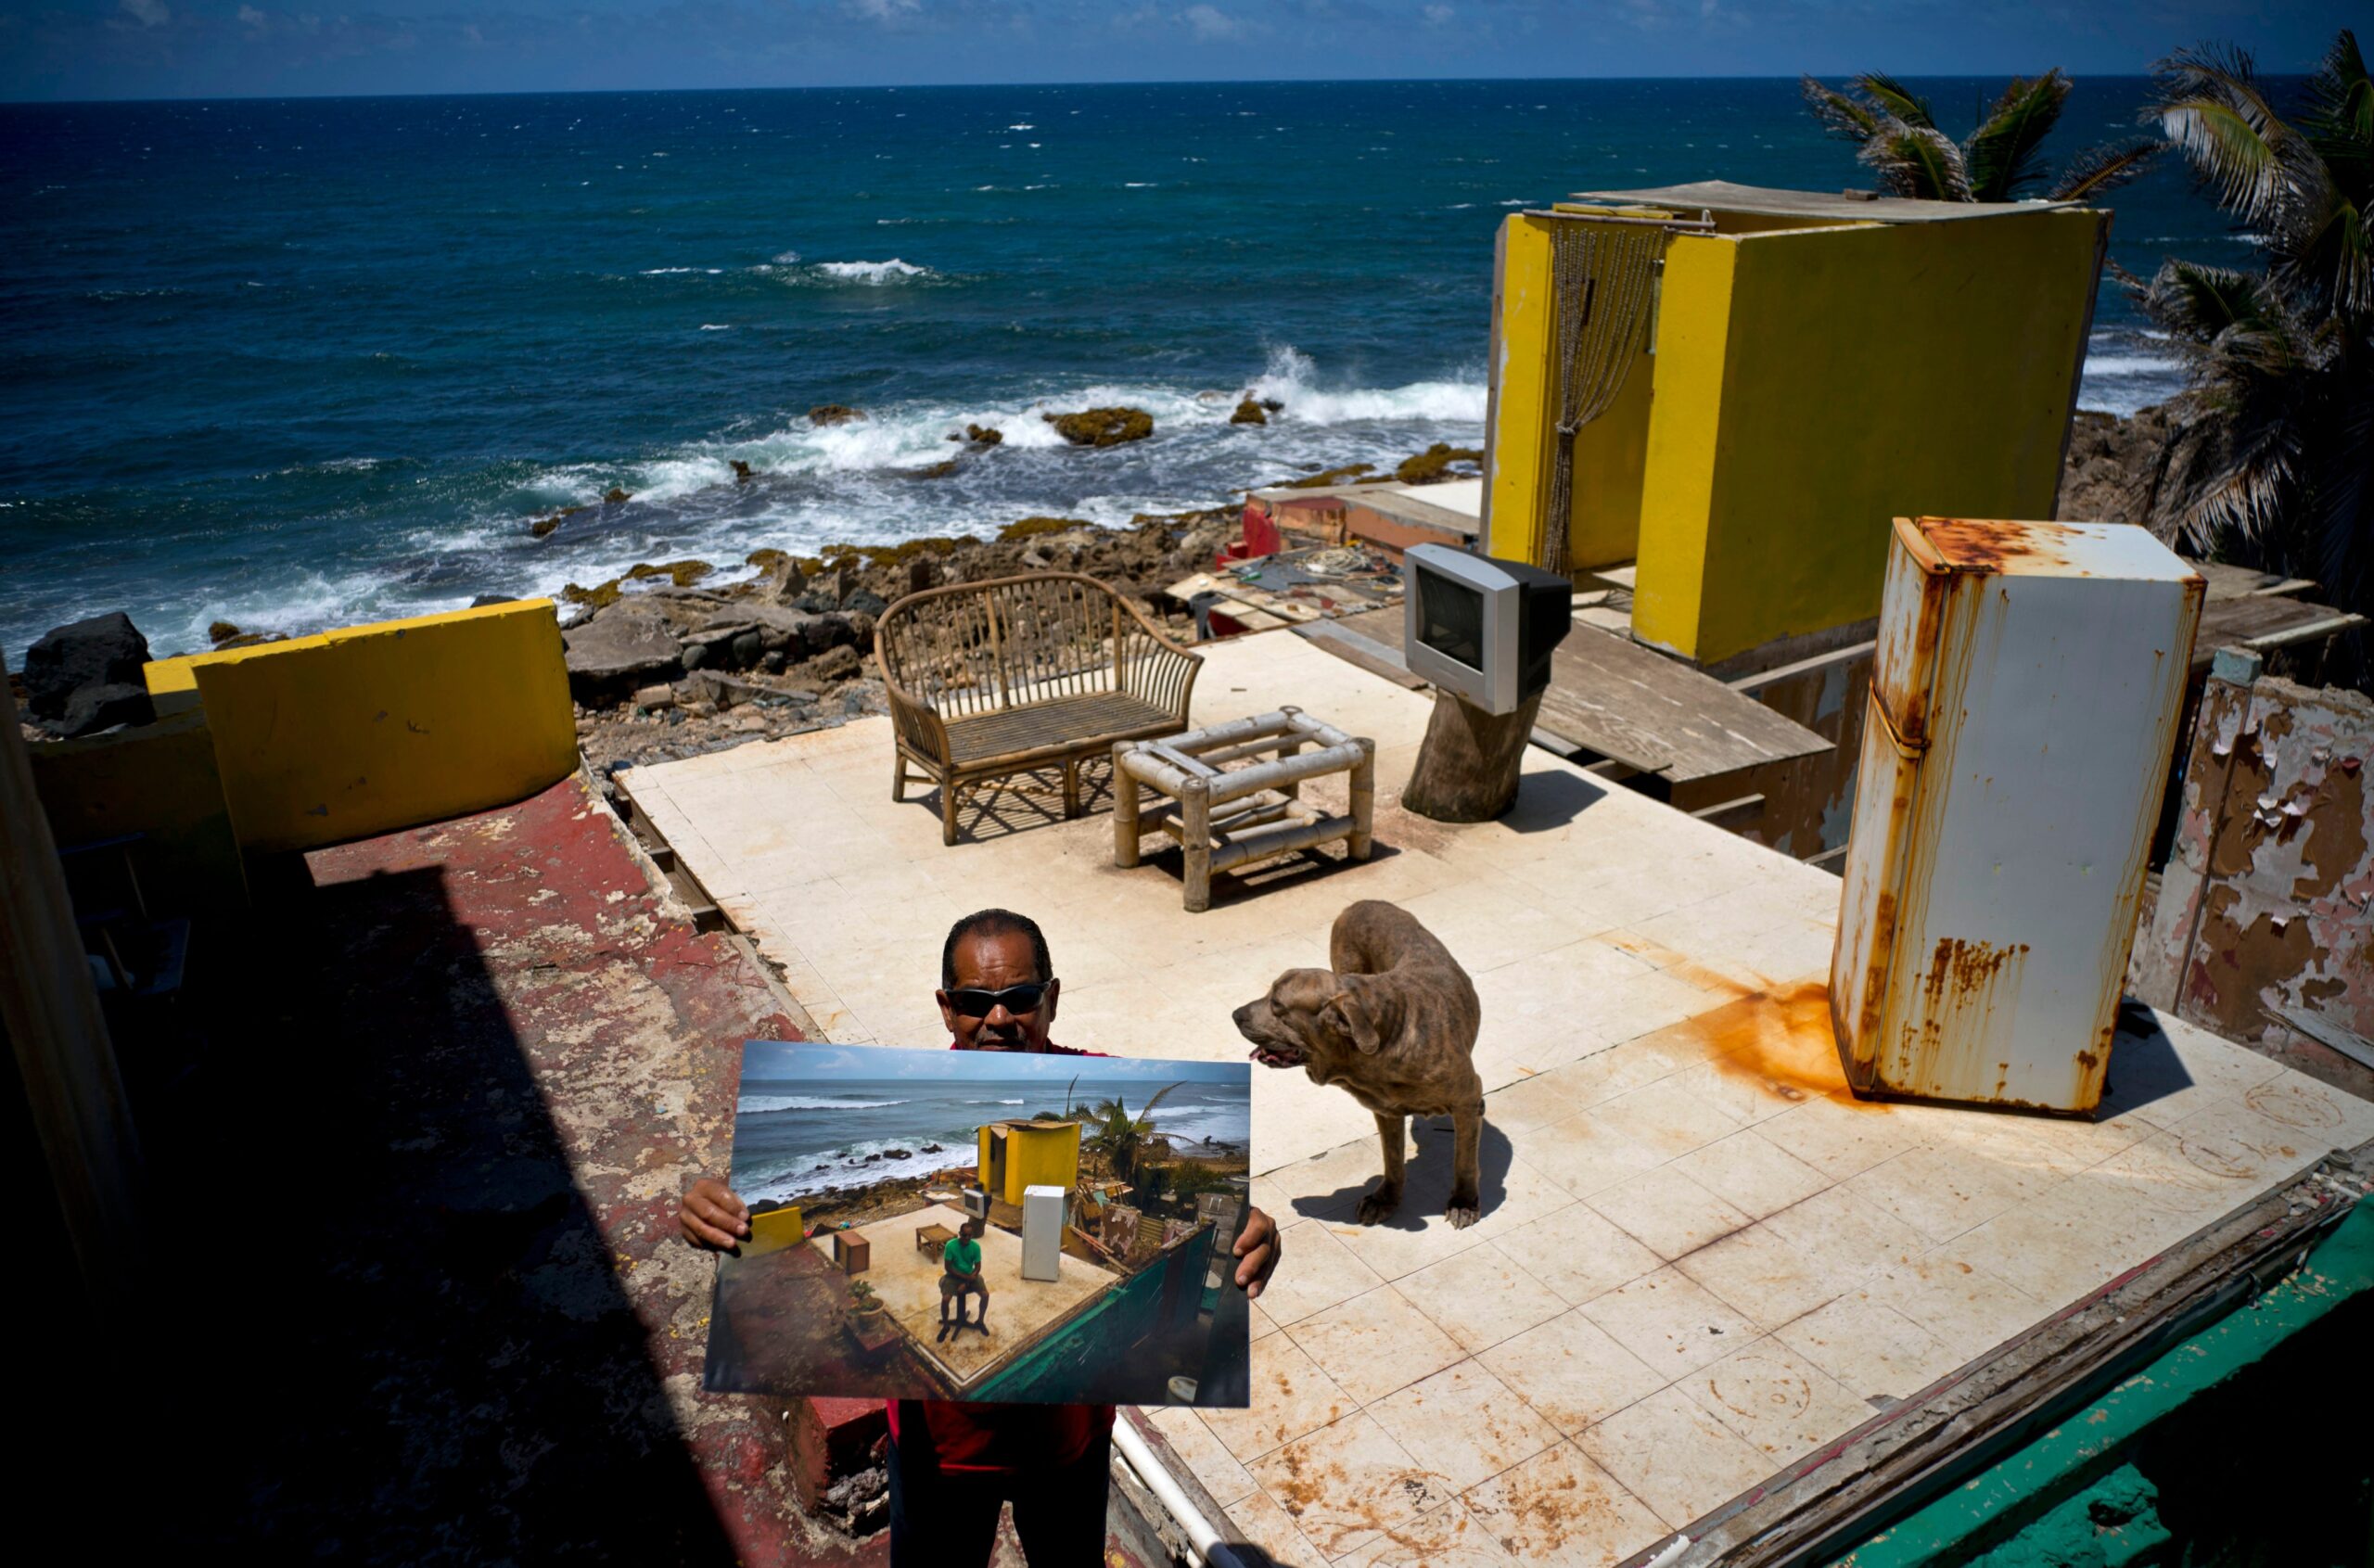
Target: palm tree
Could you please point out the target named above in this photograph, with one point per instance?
(1115, 1134)
(1902, 143)
(2272, 440)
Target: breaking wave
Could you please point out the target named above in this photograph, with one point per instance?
(759, 1102)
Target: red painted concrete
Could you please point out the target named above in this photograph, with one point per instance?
(458, 1083)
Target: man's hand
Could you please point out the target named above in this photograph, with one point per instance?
(1257, 1248)
(712, 1216)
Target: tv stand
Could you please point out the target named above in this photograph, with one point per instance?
(1468, 764)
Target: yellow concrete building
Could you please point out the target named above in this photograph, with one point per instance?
(1813, 367)
(1014, 1155)
(371, 728)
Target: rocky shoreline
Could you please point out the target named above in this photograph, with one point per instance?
(665, 662)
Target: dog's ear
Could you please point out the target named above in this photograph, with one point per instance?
(1348, 1015)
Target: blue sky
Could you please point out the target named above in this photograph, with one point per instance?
(824, 1064)
(52, 49)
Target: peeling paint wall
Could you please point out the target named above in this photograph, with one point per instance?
(2267, 907)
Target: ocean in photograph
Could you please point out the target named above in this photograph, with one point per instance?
(796, 1137)
(306, 362)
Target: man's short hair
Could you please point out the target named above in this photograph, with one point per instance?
(995, 923)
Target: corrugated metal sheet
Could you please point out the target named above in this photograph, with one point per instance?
(2029, 680)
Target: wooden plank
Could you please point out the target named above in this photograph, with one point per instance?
(1610, 695)
(1354, 647)
(2262, 621)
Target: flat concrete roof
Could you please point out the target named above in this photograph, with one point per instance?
(907, 1279)
(1722, 196)
(1701, 1258)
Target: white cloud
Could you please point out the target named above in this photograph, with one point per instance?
(148, 13)
(1210, 23)
(1439, 16)
(251, 19)
(886, 10)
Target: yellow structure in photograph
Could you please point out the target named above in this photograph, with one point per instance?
(1020, 1154)
(1814, 367)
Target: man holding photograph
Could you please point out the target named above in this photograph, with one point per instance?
(953, 1465)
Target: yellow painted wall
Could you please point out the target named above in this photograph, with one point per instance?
(373, 728)
(1046, 1155)
(158, 780)
(1611, 452)
(1837, 378)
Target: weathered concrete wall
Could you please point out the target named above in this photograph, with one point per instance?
(158, 780)
(2264, 926)
(373, 728)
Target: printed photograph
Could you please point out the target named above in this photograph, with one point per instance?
(986, 1226)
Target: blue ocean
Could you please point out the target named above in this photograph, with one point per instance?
(795, 1137)
(296, 364)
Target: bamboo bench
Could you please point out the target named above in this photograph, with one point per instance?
(986, 680)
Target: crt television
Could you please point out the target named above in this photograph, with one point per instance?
(1482, 629)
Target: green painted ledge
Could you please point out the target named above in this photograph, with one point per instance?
(2084, 1451)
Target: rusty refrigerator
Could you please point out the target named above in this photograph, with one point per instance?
(2025, 696)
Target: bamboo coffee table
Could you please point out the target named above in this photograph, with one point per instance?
(1225, 817)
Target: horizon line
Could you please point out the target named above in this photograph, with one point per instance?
(1300, 82)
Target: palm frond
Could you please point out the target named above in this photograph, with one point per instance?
(1839, 114)
(1146, 1112)
(1893, 97)
(2003, 154)
(1912, 161)
(2341, 100)
(2105, 168)
(2209, 105)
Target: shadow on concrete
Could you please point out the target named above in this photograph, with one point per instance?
(388, 1320)
(1548, 798)
(2144, 1064)
(1426, 1178)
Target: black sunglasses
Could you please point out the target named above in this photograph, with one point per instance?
(974, 1002)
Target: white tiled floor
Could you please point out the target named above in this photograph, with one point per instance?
(1700, 1257)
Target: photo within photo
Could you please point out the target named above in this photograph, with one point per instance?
(986, 1226)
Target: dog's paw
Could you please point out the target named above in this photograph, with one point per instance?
(1378, 1205)
(1462, 1216)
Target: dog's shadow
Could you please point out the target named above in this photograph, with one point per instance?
(1426, 1179)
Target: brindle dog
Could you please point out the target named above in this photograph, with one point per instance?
(1394, 1022)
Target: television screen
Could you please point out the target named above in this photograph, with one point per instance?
(1450, 618)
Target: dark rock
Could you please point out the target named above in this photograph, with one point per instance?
(1326, 477)
(983, 435)
(837, 663)
(542, 527)
(933, 1148)
(1030, 528)
(619, 648)
(1102, 427)
(483, 600)
(721, 692)
(696, 655)
(922, 572)
(772, 661)
(223, 632)
(615, 496)
(864, 602)
(1274, 405)
(1437, 462)
(747, 648)
(1248, 412)
(743, 474)
(104, 705)
(106, 650)
(898, 1154)
(834, 414)
(941, 470)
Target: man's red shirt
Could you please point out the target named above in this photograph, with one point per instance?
(1000, 1439)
